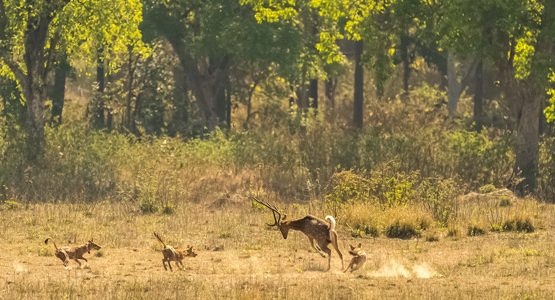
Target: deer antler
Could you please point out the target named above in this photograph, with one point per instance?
(274, 210)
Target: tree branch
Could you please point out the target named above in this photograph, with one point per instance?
(18, 72)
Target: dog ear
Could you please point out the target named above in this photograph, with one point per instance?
(360, 245)
(351, 246)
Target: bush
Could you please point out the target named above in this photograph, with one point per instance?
(147, 206)
(519, 225)
(475, 230)
(439, 198)
(384, 186)
(402, 230)
(482, 159)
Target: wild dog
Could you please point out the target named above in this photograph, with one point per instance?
(75, 253)
(316, 229)
(174, 254)
(358, 260)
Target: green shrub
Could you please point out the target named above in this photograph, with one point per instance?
(505, 202)
(519, 225)
(479, 158)
(383, 186)
(439, 197)
(488, 188)
(402, 230)
(362, 230)
(148, 206)
(475, 230)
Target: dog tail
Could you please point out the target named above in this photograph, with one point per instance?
(49, 239)
(331, 220)
(160, 239)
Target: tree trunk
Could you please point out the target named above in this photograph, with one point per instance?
(180, 115)
(406, 62)
(228, 106)
(479, 96)
(527, 144)
(58, 91)
(313, 94)
(130, 120)
(99, 105)
(221, 104)
(330, 87)
(358, 88)
(34, 84)
(453, 86)
(34, 96)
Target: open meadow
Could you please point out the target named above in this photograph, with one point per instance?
(240, 258)
(243, 141)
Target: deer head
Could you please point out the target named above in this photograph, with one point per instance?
(279, 218)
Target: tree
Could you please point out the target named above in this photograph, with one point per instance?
(34, 33)
(213, 38)
(338, 20)
(31, 33)
(517, 37)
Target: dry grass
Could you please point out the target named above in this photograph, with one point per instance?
(241, 259)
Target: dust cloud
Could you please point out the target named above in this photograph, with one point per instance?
(392, 268)
(20, 268)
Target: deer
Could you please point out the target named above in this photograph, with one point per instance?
(316, 229)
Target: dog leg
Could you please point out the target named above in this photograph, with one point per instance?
(170, 265)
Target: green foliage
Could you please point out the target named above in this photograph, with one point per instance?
(505, 202)
(402, 230)
(519, 224)
(475, 230)
(148, 206)
(550, 109)
(384, 186)
(488, 188)
(439, 197)
(480, 158)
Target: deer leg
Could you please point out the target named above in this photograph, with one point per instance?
(328, 252)
(317, 248)
(333, 236)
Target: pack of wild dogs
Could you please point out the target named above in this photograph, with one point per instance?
(320, 232)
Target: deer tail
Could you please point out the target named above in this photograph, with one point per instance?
(160, 239)
(331, 220)
(50, 239)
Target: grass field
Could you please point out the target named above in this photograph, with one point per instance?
(240, 258)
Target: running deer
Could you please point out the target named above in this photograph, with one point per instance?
(314, 228)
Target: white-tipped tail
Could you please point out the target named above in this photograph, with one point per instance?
(331, 220)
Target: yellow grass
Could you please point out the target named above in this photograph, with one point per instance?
(239, 258)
